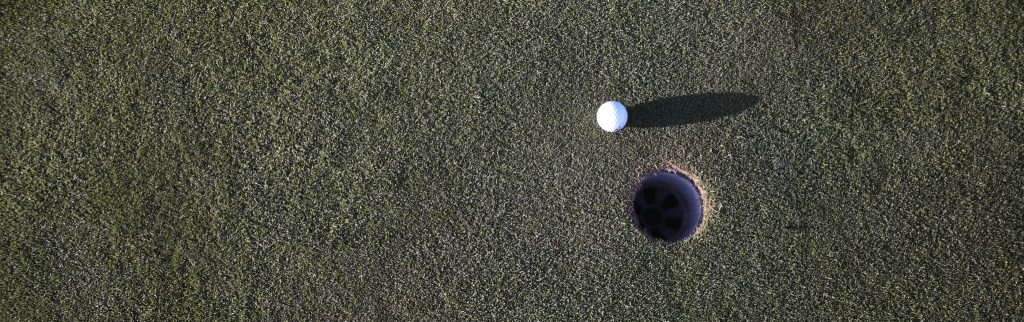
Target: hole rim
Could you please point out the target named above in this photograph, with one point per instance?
(688, 212)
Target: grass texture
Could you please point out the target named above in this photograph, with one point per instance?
(439, 160)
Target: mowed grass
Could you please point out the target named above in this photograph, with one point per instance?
(440, 160)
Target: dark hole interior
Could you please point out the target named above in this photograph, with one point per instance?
(659, 207)
(670, 202)
(651, 217)
(674, 223)
(655, 233)
(650, 195)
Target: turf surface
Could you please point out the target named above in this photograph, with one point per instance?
(440, 160)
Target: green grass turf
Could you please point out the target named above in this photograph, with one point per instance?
(441, 160)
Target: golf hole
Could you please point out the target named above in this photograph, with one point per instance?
(667, 205)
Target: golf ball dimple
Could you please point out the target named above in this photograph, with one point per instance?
(612, 116)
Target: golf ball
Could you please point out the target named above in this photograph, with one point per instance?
(612, 116)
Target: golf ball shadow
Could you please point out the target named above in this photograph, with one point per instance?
(688, 109)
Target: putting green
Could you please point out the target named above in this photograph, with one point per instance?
(441, 161)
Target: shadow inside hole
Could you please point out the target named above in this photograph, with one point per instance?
(674, 223)
(688, 109)
(666, 206)
(651, 217)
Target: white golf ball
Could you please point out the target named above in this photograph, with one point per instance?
(612, 116)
